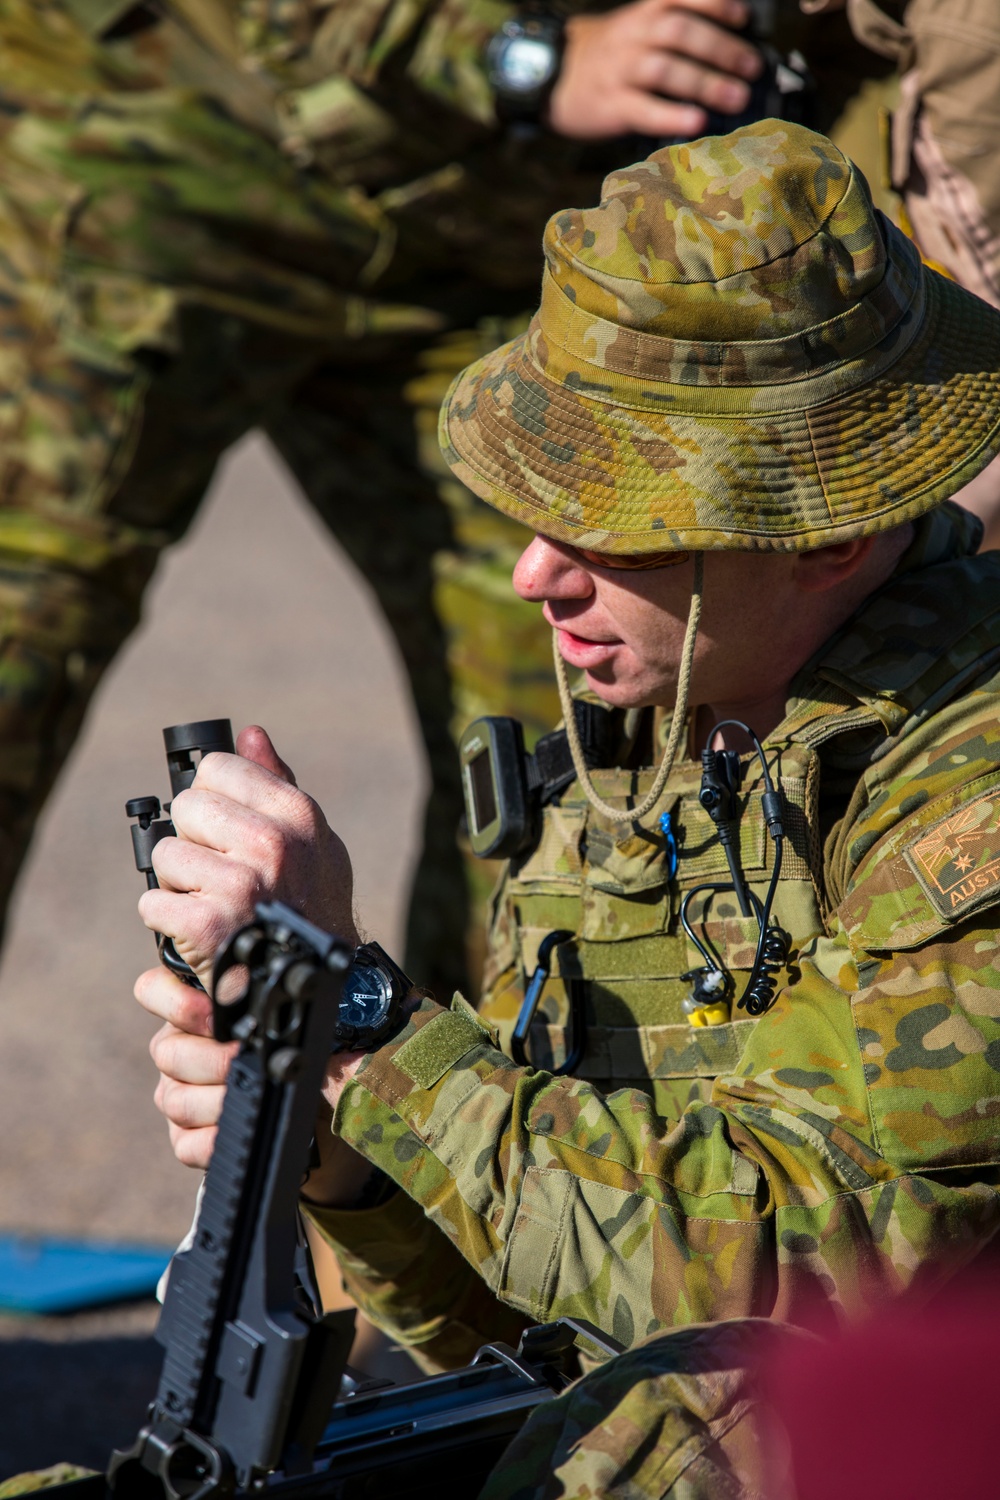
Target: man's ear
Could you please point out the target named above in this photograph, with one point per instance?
(828, 567)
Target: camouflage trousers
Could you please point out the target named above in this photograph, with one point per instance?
(678, 1415)
(160, 294)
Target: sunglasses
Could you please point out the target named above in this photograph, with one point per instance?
(636, 562)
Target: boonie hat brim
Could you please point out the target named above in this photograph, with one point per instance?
(734, 350)
(625, 466)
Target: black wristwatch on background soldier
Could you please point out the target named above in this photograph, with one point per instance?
(523, 62)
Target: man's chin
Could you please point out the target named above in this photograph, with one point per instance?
(623, 693)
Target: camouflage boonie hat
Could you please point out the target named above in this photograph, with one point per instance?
(734, 350)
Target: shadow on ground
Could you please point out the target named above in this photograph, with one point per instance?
(74, 1388)
(68, 1396)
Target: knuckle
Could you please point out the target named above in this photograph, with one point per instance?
(194, 1012)
(181, 1105)
(170, 1057)
(268, 845)
(676, 29)
(182, 801)
(166, 1101)
(308, 816)
(157, 1043)
(722, 94)
(222, 1058)
(189, 1146)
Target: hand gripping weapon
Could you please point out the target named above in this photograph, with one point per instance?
(247, 1400)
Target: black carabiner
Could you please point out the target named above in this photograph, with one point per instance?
(529, 1005)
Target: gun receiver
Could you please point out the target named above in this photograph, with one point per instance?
(183, 743)
(250, 1371)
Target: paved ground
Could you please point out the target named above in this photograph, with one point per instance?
(85, 1153)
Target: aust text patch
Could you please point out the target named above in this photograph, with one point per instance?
(957, 860)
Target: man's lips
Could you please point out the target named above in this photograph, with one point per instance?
(582, 651)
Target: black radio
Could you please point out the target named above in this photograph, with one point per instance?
(505, 788)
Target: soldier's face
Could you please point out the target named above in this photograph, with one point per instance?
(763, 616)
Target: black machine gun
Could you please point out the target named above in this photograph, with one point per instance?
(247, 1402)
(250, 1371)
(255, 1394)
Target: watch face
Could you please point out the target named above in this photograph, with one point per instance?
(366, 997)
(526, 63)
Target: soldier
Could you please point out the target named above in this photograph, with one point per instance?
(741, 385)
(305, 217)
(943, 148)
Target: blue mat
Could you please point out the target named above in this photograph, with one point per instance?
(62, 1276)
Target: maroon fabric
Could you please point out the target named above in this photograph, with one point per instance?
(904, 1407)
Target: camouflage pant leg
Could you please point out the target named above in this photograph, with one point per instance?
(72, 574)
(88, 502)
(119, 388)
(141, 334)
(676, 1416)
(360, 439)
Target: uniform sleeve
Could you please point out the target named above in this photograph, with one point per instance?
(856, 1144)
(438, 46)
(411, 1281)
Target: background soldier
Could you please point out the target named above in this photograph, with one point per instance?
(942, 151)
(223, 214)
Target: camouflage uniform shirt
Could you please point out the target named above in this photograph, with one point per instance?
(848, 1149)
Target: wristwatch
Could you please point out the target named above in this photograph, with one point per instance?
(524, 59)
(371, 1001)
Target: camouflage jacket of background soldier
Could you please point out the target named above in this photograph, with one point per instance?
(850, 1145)
(945, 129)
(387, 101)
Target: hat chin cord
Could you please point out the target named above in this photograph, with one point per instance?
(634, 814)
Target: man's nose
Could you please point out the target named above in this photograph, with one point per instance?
(545, 570)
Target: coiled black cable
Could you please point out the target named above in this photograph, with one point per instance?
(772, 943)
(770, 958)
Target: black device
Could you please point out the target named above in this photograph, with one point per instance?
(247, 1401)
(523, 61)
(721, 778)
(505, 788)
(577, 1029)
(785, 89)
(185, 745)
(371, 1002)
(250, 1369)
(421, 1440)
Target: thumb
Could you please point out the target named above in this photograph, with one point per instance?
(255, 744)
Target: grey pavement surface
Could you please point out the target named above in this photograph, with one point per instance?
(258, 616)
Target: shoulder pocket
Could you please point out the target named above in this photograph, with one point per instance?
(939, 866)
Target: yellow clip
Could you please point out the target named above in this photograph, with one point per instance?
(710, 1015)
